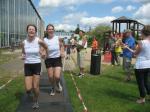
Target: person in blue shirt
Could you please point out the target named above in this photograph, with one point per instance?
(127, 54)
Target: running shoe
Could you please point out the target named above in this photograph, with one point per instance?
(35, 105)
(52, 92)
(59, 87)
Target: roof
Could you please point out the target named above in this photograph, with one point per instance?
(124, 19)
(35, 10)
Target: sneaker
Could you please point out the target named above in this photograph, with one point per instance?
(141, 101)
(52, 92)
(81, 75)
(59, 87)
(35, 105)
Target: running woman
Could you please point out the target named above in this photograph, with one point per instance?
(53, 61)
(32, 62)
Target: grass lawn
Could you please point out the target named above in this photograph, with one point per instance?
(107, 92)
(11, 94)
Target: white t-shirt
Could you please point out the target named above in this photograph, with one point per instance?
(143, 58)
(32, 49)
(53, 47)
(80, 42)
(72, 41)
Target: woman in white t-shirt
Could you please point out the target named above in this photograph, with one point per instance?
(32, 62)
(53, 61)
(142, 65)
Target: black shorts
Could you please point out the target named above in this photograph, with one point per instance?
(30, 69)
(53, 62)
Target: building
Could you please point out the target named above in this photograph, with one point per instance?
(63, 34)
(132, 24)
(14, 17)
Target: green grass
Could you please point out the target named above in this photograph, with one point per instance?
(106, 92)
(4, 77)
(10, 95)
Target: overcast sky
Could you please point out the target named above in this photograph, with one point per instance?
(66, 14)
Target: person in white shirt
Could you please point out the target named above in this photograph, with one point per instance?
(142, 65)
(32, 62)
(81, 51)
(53, 61)
(73, 46)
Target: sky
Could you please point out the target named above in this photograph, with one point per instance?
(66, 14)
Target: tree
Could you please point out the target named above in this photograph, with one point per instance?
(77, 29)
(98, 32)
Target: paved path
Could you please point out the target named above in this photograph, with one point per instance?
(58, 103)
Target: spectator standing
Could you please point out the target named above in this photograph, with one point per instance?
(112, 50)
(118, 47)
(73, 42)
(94, 45)
(127, 54)
(142, 65)
(81, 51)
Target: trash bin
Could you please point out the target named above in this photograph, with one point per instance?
(95, 64)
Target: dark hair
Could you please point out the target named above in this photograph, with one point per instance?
(146, 30)
(31, 25)
(45, 34)
(50, 25)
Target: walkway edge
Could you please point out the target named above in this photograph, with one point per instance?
(69, 105)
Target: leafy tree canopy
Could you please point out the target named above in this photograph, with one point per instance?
(98, 32)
